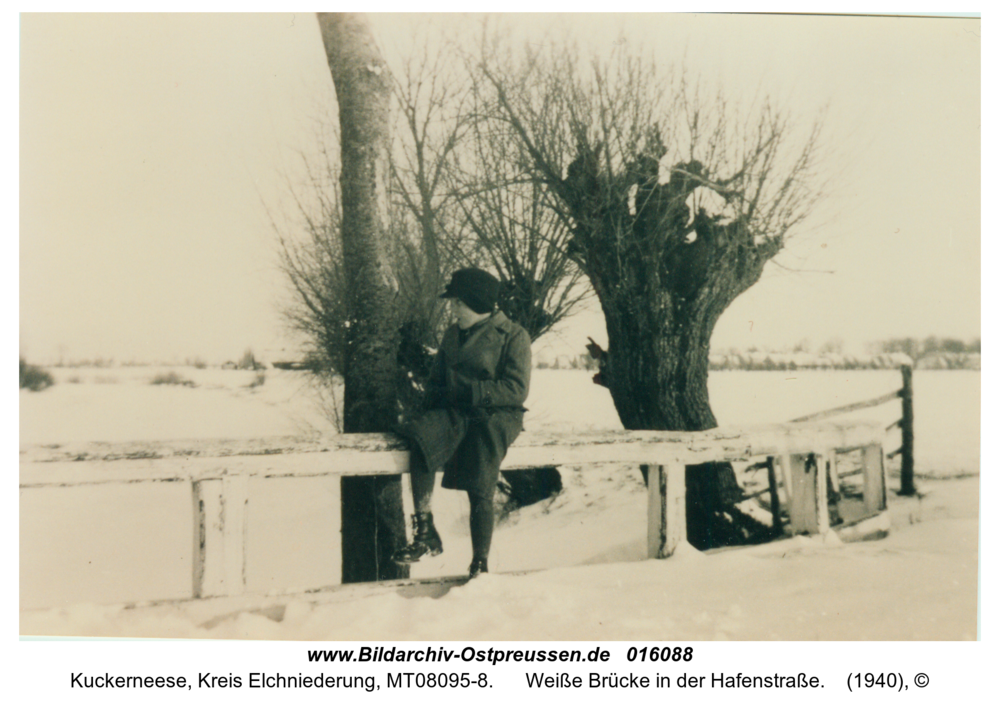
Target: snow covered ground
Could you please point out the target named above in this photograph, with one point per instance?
(583, 550)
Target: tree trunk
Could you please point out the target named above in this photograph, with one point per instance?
(657, 372)
(372, 517)
(663, 276)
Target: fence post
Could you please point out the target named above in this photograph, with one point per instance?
(772, 485)
(220, 525)
(906, 426)
(667, 510)
(807, 510)
(874, 479)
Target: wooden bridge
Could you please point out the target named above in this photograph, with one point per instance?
(219, 473)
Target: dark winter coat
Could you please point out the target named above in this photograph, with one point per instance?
(474, 403)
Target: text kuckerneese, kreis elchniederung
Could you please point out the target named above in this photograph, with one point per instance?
(207, 680)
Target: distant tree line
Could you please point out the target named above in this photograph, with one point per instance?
(931, 345)
(766, 360)
(930, 353)
(582, 361)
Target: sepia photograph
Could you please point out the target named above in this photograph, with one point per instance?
(507, 327)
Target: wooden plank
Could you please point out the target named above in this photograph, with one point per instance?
(874, 479)
(210, 448)
(171, 469)
(786, 476)
(803, 438)
(826, 414)
(369, 454)
(627, 452)
(656, 511)
(907, 486)
(667, 511)
(885, 475)
(235, 499)
(731, 439)
(772, 487)
(802, 515)
(219, 558)
(203, 496)
(833, 475)
(875, 527)
(821, 468)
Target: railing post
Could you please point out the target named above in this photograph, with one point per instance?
(874, 479)
(906, 426)
(667, 510)
(772, 485)
(832, 488)
(807, 510)
(220, 525)
(821, 461)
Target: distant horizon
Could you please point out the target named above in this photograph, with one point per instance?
(543, 350)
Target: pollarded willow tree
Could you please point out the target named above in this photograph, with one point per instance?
(675, 203)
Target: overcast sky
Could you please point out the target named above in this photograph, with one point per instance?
(149, 145)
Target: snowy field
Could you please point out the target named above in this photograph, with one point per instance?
(85, 550)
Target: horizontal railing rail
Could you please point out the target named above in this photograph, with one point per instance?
(386, 454)
(905, 424)
(219, 473)
(837, 411)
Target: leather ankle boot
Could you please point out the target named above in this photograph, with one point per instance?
(478, 567)
(426, 541)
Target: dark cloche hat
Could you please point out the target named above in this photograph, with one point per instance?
(477, 288)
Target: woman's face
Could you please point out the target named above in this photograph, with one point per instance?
(463, 315)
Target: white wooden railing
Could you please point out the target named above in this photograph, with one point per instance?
(219, 473)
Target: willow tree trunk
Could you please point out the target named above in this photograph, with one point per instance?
(664, 276)
(372, 507)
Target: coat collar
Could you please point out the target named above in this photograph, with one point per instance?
(484, 334)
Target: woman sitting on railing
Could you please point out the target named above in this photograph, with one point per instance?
(473, 412)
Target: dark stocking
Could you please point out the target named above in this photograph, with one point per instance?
(421, 482)
(480, 524)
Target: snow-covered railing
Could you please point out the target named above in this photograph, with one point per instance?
(219, 473)
(905, 424)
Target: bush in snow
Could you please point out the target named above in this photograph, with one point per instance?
(34, 378)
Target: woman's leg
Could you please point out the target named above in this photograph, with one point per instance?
(482, 452)
(421, 483)
(426, 540)
(481, 529)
